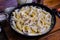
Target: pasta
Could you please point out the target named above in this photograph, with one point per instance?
(31, 20)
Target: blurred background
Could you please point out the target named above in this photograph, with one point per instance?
(52, 4)
(10, 3)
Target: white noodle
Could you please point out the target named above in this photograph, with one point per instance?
(29, 16)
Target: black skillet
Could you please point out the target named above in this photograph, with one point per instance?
(37, 5)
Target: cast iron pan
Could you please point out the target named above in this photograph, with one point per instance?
(37, 5)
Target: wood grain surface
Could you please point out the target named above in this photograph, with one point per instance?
(51, 3)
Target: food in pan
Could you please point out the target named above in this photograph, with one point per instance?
(31, 20)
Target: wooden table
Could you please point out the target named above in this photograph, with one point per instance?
(52, 35)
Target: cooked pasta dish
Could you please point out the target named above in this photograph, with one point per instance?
(31, 20)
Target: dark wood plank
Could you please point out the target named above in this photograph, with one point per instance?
(53, 36)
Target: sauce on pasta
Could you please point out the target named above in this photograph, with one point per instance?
(31, 20)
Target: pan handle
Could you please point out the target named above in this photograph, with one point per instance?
(56, 12)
